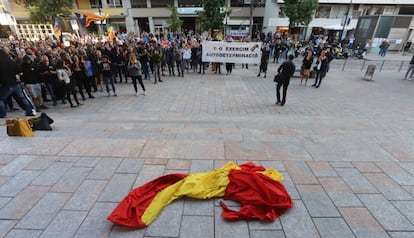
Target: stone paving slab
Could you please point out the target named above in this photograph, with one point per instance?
(345, 150)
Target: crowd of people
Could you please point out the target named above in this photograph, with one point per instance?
(49, 71)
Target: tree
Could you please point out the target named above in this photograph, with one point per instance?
(174, 22)
(45, 11)
(300, 12)
(212, 17)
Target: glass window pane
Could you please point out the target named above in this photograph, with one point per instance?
(95, 3)
(384, 27)
(190, 3)
(139, 3)
(162, 3)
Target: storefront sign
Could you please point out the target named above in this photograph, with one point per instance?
(189, 10)
(232, 52)
(239, 33)
(194, 10)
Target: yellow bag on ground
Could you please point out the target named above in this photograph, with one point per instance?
(19, 127)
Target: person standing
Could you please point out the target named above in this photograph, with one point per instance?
(410, 68)
(107, 74)
(48, 76)
(10, 86)
(407, 47)
(285, 70)
(306, 65)
(384, 48)
(264, 61)
(321, 68)
(156, 61)
(351, 42)
(31, 80)
(229, 67)
(134, 71)
(64, 74)
(276, 53)
(186, 57)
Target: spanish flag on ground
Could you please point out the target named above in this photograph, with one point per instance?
(258, 190)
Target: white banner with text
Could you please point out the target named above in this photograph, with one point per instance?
(232, 52)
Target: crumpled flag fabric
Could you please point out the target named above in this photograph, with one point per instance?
(260, 196)
(143, 204)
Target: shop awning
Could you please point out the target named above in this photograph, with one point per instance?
(337, 27)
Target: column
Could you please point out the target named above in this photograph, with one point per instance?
(129, 20)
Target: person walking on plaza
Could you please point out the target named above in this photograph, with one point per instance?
(134, 71)
(9, 85)
(321, 67)
(410, 69)
(285, 70)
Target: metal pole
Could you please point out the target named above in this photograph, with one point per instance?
(345, 21)
(402, 63)
(100, 31)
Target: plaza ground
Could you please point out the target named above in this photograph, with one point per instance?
(346, 151)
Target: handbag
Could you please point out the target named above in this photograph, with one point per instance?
(276, 79)
(19, 127)
(41, 123)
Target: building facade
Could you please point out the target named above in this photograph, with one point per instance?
(268, 16)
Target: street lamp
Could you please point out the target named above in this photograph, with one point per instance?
(345, 21)
(226, 16)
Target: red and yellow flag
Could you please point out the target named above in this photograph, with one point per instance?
(90, 17)
(259, 191)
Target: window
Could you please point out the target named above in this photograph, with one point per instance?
(96, 3)
(114, 3)
(237, 3)
(323, 12)
(190, 3)
(246, 3)
(384, 27)
(162, 3)
(139, 3)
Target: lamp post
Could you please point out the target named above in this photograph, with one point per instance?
(227, 13)
(100, 31)
(345, 21)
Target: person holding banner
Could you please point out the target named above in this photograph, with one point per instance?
(286, 70)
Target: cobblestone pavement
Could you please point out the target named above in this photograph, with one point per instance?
(346, 151)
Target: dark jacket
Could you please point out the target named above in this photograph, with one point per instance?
(286, 70)
(29, 70)
(8, 70)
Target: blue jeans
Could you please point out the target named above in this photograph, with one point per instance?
(21, 98)
(109, 80)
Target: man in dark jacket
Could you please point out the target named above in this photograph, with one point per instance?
(9, 85)
(410, 68)
(286, 70)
